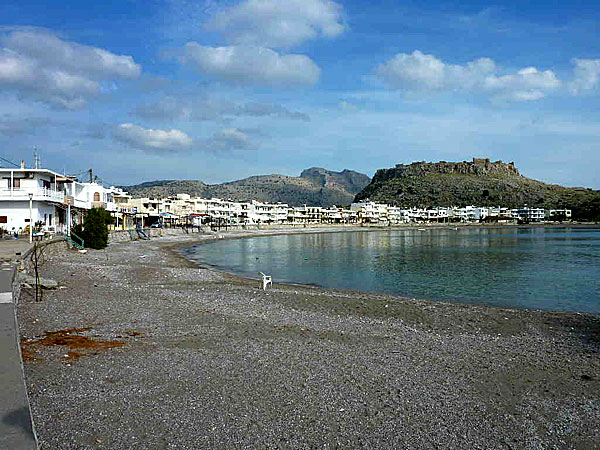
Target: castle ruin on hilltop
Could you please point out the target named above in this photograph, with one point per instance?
(479, 166)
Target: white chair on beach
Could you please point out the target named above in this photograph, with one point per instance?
(266, 280)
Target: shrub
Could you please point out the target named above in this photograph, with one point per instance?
(95, 231)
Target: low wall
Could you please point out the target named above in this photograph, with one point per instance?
(132, 235)
(50, 248)
(118, 236)
(293, 226)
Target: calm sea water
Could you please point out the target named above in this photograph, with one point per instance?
(540, 268)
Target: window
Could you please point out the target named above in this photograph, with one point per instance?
(96, 196)
(16, 183)
(3, 219)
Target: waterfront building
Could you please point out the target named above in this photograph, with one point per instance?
(370, 212)
(259, 212)
(36, 192)
(338, 215)
(146, 205)
(298, 214)
(554, 214)
(57, 201)
(530, 214)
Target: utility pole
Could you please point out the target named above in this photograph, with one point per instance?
(91, 171)
(30, 218)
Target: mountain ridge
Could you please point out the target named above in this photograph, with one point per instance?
(315, 186)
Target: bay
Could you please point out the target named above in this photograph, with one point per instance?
(546, 268)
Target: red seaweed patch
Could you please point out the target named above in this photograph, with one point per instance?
(72, 338)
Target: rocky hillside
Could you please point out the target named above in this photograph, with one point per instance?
(314, 187)
(480, 182)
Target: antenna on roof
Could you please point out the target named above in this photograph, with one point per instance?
(36, 159)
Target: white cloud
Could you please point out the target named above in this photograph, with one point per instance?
(11, 126)
(149, 139)
(255, 65)
(416, 71)
(173, 108)
(41, 66)
(586, 75)
(49, 50)
(526, 84)
(421, 72)
(230, 139)
(276, 23)
(167, 108)
(269, 109)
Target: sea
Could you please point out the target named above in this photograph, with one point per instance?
(545, 268)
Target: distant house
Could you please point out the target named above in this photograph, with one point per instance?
(527, 214)
(559, 214)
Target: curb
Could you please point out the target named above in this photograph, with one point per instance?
(18, 428)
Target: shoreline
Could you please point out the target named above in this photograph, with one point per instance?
(245, 234)
(192, 358)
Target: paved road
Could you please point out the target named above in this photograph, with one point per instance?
(9, 247)
(16, 430)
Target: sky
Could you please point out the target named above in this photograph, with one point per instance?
(221, 90)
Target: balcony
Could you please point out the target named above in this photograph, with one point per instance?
(99, 205)
(39, 194)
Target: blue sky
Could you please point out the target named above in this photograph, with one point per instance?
(219, 91)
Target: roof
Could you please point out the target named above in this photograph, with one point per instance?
(29, 170)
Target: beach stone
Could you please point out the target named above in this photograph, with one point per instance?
(45, 283)
(218, 363)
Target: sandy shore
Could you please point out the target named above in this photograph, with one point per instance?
(149, 351)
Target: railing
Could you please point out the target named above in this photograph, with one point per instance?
(75, 241)
(38, 194)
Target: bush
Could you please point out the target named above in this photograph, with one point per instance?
(95, 231)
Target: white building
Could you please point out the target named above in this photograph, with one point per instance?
(370, 211)
(57, 201)
(43, 187)
(552, 214)
(530, 214)
(259, 212)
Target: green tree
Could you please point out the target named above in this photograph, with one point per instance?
(95, 230)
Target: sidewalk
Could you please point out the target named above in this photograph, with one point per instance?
(9, 247)
(16, 429)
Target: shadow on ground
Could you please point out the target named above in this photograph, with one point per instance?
(19, 418)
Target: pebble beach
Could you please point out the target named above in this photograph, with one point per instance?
(140, 348)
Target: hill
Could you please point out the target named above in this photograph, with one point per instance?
(315, 187)
(480, 182)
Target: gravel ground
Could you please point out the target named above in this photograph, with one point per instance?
(159, 354)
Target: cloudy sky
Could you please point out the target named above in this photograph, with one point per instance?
(221, 90)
